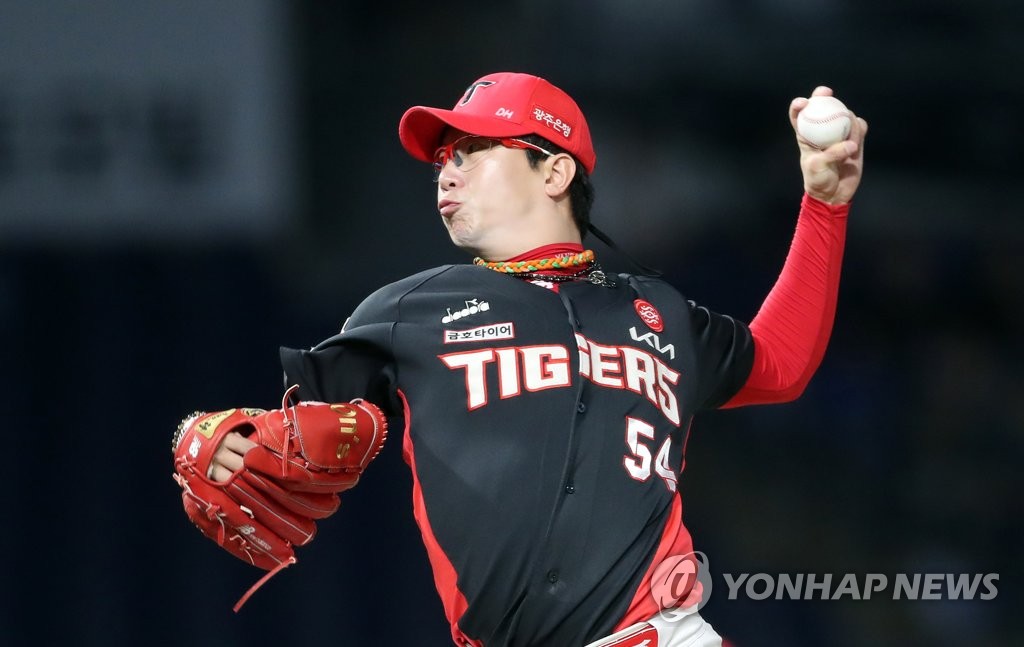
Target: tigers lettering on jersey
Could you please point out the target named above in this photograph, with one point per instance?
(534, 368)
(626, 367)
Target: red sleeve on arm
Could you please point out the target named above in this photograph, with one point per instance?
(792, 328)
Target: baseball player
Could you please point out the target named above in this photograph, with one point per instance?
(542, 403)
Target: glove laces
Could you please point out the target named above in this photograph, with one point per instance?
(289, 428)
(263, 580)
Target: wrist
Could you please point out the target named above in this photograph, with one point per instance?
(817, 205)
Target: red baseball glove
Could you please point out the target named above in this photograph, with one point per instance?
(305, 455)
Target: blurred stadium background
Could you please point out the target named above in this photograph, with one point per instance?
(186, 186)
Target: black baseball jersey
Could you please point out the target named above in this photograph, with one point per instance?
(545, 431)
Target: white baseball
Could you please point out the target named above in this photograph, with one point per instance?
(823, 121)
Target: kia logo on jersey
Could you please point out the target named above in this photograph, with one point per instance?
(649, 314)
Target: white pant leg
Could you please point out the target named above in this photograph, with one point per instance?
(689, 630)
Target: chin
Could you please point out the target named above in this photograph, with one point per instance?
(461, 236)
(462, 243)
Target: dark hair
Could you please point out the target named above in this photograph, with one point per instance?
(581, 191)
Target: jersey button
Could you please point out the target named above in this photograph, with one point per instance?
(580, 407)
(552, 576)
(571, 489)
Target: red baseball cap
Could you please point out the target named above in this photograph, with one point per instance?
(504, 104)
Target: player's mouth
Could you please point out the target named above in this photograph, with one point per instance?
(448, 207)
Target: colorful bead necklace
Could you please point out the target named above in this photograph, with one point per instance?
(541, 268)
(565, 262)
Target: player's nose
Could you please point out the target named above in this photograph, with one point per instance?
(449, 176)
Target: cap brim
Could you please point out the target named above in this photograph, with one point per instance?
(421, 129)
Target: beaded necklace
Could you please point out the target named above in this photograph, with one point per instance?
(563, 262)
(542, 268)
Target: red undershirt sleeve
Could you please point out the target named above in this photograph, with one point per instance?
(792, 328)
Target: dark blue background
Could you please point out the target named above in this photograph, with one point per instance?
(902, 457)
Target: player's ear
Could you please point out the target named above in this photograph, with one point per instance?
(560, 170)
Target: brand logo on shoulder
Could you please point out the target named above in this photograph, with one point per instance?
(649, 314)
(473, 306)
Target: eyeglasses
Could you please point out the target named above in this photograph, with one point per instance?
(466, 152)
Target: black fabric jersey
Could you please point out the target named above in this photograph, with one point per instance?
(545, 429)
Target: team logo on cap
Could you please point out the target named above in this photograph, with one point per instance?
(649, 314)
(471, 90)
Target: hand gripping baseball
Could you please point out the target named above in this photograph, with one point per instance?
(304, 455)
(833, 173)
